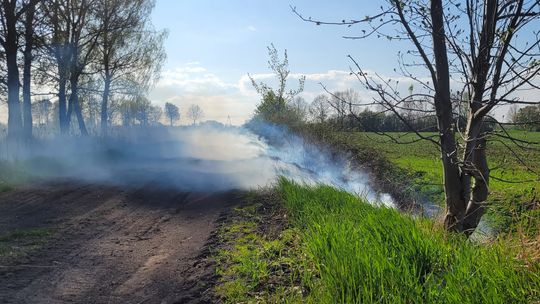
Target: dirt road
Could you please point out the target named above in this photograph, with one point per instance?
(110, 244)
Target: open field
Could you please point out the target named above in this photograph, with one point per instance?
(512, 205)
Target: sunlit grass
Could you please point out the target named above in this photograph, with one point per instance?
(255, 267)
(512, 206)
(366, 254)
(336, 248)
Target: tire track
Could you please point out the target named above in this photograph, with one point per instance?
(113, 245)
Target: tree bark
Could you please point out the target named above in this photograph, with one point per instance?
(105, 105)
(62, 102)
(74, 104)
(477, 203)
(11, 47)
(27, 76)
(455, 204)
(474, 157)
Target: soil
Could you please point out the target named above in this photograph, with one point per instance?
(146, 244)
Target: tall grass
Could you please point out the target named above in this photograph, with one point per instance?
(367, 254)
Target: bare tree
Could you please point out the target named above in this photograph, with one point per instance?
(29, 45)
(130, 51)
(172, 112)
(344, 103)
(91, 110)
(42, 110)
(512, 113)
(319, 109)
(281, 70)
(74, 37)
(155, 114)
(195, 113)
(473, 45)
(275, 101)
(12, 13)
(57, 44)
(136, 110)
(300, 107)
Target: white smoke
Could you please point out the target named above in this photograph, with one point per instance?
(209, 157)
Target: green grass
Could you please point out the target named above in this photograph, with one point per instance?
(512, 206)
(20, 172)
(366, 254)
(19, 242)
(9, 176)
(340, 249)
(255, 266)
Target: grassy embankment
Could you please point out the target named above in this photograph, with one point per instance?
(513, 207)
(335, 248)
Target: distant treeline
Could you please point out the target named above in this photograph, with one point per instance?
(371, 121)
(343, 110)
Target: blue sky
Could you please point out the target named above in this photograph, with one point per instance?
(231, 36)
(213, 44)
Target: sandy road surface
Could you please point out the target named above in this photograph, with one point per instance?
(110, 244)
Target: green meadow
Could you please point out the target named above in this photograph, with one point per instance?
(514, 200)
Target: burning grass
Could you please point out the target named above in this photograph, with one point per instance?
(348, 251)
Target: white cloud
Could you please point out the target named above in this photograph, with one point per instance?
(191, 79)
(192, 83)
(251, 28)
(220, 99)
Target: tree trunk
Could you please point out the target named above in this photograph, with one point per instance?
(14, 105)
(455, 203)
(477, 202)
(62, 103)
(474, 164)
(74, 104)
(105, 105)
(29, 44)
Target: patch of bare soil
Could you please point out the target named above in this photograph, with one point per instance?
(111, 244)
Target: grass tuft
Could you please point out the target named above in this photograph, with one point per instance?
(20, 242)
